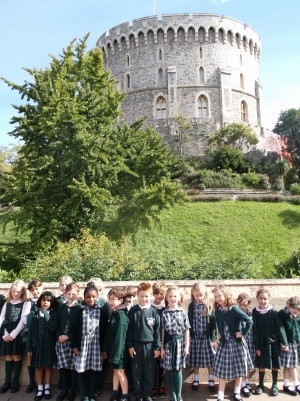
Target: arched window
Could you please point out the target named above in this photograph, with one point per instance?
(202, 106)
(160, 36)
(238, 39)
(220, 36)
(191, 35)
(211, 35)
(244, 112)
(160, 76)
(160, 55)
(241, 81)
(229, 37)
(180, 36)
(128, 81)
(245, 42)
(127, 60)
(161, 108)
(201, 75)
(201, 34)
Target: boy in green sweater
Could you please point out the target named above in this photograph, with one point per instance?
(143, 340)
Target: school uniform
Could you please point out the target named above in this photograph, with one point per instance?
(232, 357)
(115, 339)
(159, 390)
(88, 329)
(41, 341)
(268, 334)
(291, 324)
(202, 333)
(144, 336)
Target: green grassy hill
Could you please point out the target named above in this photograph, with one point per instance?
(224, 230)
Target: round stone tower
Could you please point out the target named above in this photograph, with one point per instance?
(204, 67)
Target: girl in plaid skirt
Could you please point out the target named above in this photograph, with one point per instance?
(269, 337)
(232, 360)
(290, 359)
(87, 336)
(175, 341)
(243, 301)
(203, 334)
(42, 326)
(65, 356)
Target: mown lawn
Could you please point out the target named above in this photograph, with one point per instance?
(223, 230)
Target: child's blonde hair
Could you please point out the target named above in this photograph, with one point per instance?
(174, 288)
(159, 287)
(65, 278)
(98, 283)
(208, 307)
(226, 293)
(20, 284)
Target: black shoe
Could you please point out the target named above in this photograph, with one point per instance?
(274, 391)
(245, 391)
(39, 395)
(47, 394)
(195, 385)
(4, 388)
(289, 390)
(297, 388)
(30, 388)
(237, 397)
(14, 389)
(211, 386)
(259, 390)
(61, 396)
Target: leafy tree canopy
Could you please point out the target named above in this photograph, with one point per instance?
(288, 127)
(239, 136)
(77, 167)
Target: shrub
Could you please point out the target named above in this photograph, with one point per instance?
(295, 189)
(290, 268)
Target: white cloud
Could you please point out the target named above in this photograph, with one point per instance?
(219, 1)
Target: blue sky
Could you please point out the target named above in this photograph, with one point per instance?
(30, 30)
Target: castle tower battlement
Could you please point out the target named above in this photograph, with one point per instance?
(204, 67)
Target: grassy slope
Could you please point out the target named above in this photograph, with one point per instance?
(225, 229)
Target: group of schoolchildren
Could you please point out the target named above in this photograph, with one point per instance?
(147, 341)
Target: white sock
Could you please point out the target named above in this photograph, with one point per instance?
(286, 382)
(296, 383)
(196, 378)
(237, 389)
(220, 395)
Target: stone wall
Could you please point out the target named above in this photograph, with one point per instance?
(280, 290)
(153, 58)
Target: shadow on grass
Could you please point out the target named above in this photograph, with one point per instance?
(290, 218)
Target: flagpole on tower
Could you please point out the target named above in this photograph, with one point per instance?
(154, 7)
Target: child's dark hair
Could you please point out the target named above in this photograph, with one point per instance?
(159, 287)
(90, 287)
(48, 296)
(72, 286)
(242, 297)
(117, 292)
(262, 291)
(130, 291)
(34, 283)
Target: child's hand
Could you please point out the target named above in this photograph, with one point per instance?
(156, 354)
(104, 355)
(257, 352)
(186, 351)
(63, 339)
(8, 338)
(132, 352)
(284, 347)
(76, 351)
(238, 334)
(162, 353)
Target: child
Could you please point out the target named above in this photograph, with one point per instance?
(143, 339)
(159, 292)
(290, 359)
(232, 359)
(268, 334)
(65, 356)
(12, 320)
(35, 288)
(87, 335)
(243, 301)
(175, 341)
(115, 343)
(130, 292)
(63, 282)
(203, 334)
(41, 342)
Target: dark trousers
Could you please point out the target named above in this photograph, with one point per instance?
(87, 382)
(143, 365)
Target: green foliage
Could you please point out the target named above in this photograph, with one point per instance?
(213, 179)
(254, 180)
(227, 157)
(288, 127)
(78, 169)
(238, 136)
(290, 268)
(295, 189)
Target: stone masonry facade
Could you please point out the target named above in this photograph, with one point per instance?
(204, 67)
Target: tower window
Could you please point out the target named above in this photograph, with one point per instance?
(244, 112)
(202, 106)
(160, 76)
(201, 75)
(242, 81)
(161, 108)
(128, 81)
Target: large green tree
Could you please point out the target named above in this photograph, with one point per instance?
(288, 127)
(239, 136)
(77, 167)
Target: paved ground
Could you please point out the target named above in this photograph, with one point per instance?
(188, 395)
